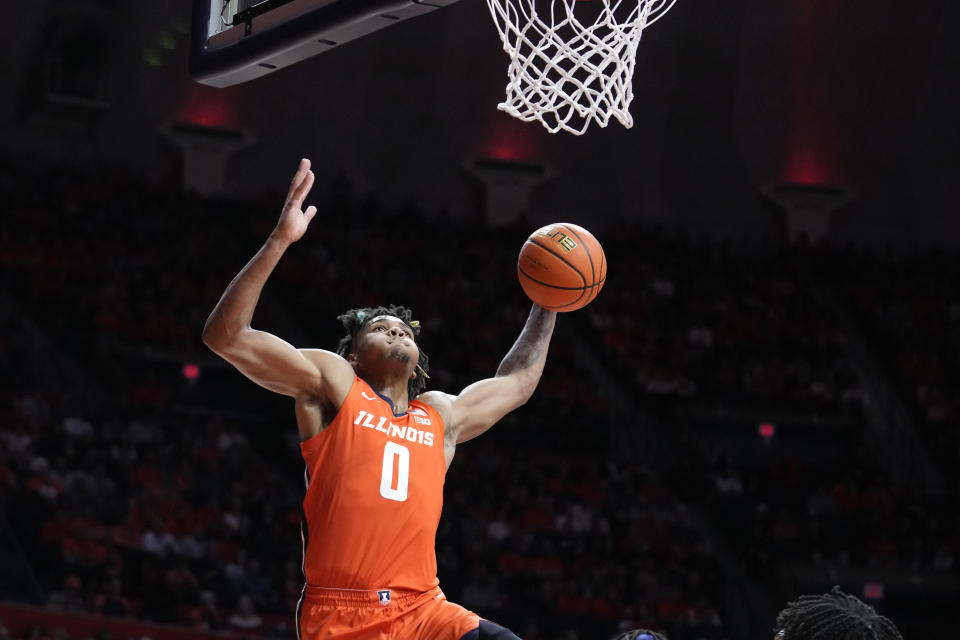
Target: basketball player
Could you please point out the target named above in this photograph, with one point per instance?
(833, 616)
(376, 450)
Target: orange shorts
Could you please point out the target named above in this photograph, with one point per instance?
(328, 614)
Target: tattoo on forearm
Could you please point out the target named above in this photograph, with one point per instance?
(532, 344)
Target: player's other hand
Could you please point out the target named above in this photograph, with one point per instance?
(294, 220)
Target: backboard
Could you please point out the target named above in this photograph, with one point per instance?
(233, 41)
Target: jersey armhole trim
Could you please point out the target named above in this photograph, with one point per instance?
(311, 443)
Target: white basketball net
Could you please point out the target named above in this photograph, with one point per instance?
(566, 73)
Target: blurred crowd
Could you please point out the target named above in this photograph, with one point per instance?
(791, 513)
(909, 306)
(764, 331)
(119, 475)
(696, 319)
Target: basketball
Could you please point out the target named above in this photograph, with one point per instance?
(561, 267)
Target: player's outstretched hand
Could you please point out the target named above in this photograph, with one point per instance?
(294, 220)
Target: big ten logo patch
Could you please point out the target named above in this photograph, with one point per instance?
(419, 415)
(564, 241)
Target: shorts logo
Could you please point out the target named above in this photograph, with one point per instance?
(384, 597)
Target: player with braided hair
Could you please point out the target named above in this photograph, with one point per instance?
(833, 616)
(354, 320)
(376, 447)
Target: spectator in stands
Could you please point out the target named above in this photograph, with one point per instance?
(245, 617)
(69, 597)
(205, 614)
(112, 602)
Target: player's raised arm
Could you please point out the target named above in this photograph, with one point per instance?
(481, 405)
(264, 358)
(561, 267)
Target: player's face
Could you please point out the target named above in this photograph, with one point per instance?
(390, 339)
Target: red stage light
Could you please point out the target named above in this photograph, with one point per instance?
(807, 166)
(873, 591)
(209, 107)
(511, 141)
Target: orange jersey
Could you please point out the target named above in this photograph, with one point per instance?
(374, 496)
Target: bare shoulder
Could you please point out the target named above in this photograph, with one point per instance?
(323, 358)
(336, 373)
(316, 406)
(442, 402)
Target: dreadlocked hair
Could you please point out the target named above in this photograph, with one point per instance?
(355, 319)
(834, 616)
(639, 634)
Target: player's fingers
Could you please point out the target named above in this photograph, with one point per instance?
(301, 190)
(302, 170)
(309, 213)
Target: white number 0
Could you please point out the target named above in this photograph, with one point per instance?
(393, 451)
